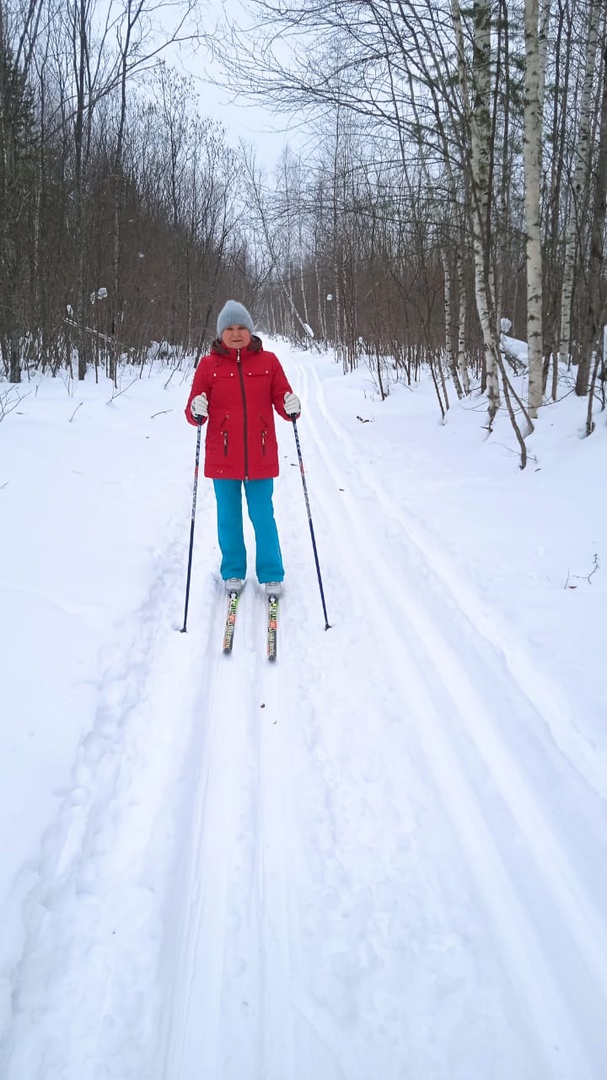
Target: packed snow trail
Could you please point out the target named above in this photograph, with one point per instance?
(374, 858)
(456, 717)
(237, 824)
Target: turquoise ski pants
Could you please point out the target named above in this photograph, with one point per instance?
(268, 560)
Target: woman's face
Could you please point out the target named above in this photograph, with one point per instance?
(236, 337)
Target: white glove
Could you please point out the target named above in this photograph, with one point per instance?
(199, 407)
(292, 404)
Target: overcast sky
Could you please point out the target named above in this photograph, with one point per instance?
(268, 131)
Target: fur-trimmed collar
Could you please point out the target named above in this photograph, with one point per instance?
(255, 345)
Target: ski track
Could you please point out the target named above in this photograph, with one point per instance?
(542, 690)
(243, 884)
(232, 969)
(433, 673)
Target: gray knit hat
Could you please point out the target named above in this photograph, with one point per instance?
(233, 314)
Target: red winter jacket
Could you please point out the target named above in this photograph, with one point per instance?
(242, 387)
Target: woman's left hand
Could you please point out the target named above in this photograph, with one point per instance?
(292, 404)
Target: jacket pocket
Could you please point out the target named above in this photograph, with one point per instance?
(218, 440)
(264, 433)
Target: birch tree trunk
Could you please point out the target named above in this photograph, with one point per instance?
(477, 112)
(556, 129)
(582, 155)
(532, 155)
(461, 340)
(448, 300)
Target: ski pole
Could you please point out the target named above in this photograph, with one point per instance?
(305, 488)
(187, 587)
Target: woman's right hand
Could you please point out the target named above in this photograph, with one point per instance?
(199, 407)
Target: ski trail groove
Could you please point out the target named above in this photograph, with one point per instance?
(232, 970)
(279, 1039)
(438, 678)
(581, 917)
(193, 1028)
(549, 700)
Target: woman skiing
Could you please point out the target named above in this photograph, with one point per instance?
(236, 388)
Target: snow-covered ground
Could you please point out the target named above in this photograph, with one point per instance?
(383, 857)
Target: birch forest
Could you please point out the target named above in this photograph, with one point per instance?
(449, 189)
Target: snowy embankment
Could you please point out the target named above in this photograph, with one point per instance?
(383, 856)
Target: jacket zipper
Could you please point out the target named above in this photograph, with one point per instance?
(244, 414)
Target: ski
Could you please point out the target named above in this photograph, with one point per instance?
(272, 626)
(228, 634)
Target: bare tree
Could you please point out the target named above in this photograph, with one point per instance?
(17, 172)
(534, 81)
(596, 301)
(582, 150)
